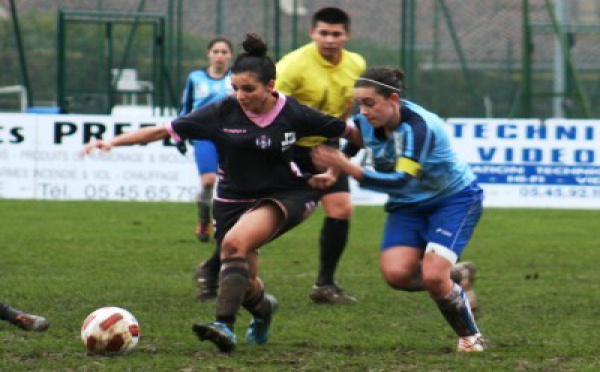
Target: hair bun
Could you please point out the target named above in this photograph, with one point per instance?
(254, 45)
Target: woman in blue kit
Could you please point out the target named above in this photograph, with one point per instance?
(434, 202)
(205, 86)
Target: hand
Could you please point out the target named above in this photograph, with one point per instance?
(326, 156)
(104, 146)
(336, 162)
(322, 181)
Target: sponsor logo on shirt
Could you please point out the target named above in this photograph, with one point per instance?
(288, 140)
(235, 131)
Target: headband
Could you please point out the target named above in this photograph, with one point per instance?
(380, 83)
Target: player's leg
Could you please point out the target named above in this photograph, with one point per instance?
(402, 248)
(206, 276)
(405, 229)
(451, 300)
(451, 225)
(333, 239)
(22, 319)
(204, 201)
(296, 207)
(464, 274)
(245, 236)
(400, 267)
(207, 272)
(262, 306)
(207, 162)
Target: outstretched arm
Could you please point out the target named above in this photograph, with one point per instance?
(370, 179)
(325, 156)
(143, 135)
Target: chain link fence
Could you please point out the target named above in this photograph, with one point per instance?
(462, 58)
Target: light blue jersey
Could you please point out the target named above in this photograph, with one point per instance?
(416, 164)
(202, 89)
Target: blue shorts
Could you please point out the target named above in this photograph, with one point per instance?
(206, 157)
(447, 224)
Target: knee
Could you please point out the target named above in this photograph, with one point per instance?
(208, 180)
(433, 281)
(397, 278)
(340, 209)
(208, 184)
(344, 212)
(232, 246)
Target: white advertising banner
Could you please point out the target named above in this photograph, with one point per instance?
(530, 163)
(40, 158)
(519, 163)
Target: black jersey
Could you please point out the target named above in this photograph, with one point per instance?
(304, 160)
(255, 161)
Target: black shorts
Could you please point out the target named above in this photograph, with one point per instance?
(341, 185)
(296, 205)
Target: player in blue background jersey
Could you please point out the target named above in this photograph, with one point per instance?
(204, 86)
(434, 202)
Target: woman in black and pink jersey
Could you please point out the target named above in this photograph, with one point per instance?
(261, 192)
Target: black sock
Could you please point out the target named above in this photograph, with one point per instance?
(9, 314)
(3, 311)
(334, 236)
(232, 288)
(214, 261)
(203, 213)
(254, 301)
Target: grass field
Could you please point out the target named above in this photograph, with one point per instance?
(538, 286)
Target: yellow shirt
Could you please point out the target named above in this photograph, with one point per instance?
(305, 75)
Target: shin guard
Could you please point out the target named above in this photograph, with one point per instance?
(232, 288)
(456, 310)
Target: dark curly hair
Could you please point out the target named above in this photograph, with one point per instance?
(255, 60)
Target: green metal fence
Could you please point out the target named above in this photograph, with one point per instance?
(469, 58)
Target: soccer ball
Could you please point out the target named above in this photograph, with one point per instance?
(110, 331)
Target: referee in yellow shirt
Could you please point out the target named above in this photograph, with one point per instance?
(322, 75)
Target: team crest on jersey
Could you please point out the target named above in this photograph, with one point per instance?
(263, 142)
